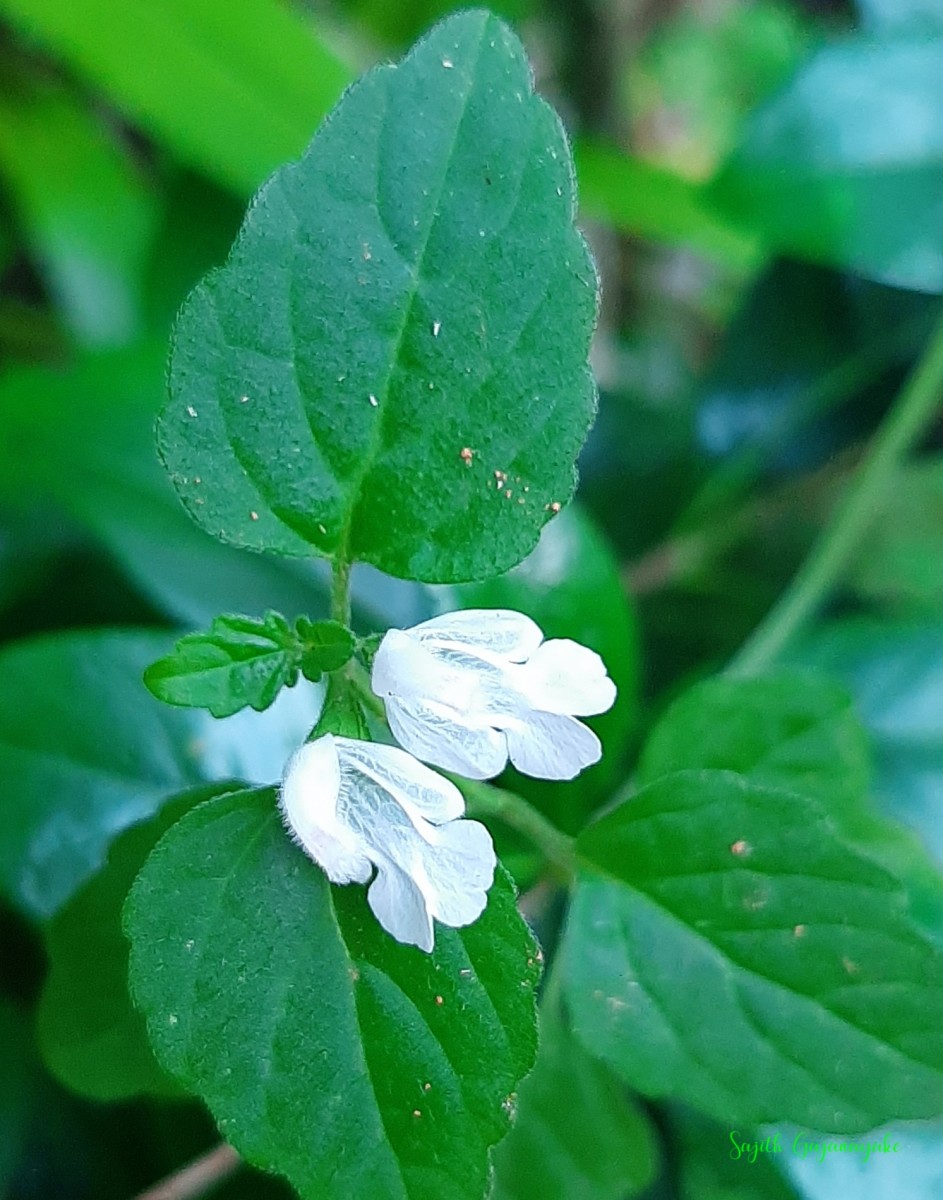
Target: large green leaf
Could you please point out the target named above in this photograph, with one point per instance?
(85, 752)
(728, 946)
(327, 1051)
(791, 730)
(846, 174)
(87, 216)
(392, 365)
(91, 1036)
(578, 1133)
(233, 89)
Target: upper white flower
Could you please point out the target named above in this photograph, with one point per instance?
(470, 689)
(355, 805)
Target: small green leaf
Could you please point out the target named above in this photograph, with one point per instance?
(327, 1051)
(326, 646)
(240, 663)
(85, 752)
(597, 1145)
(729, 947)
(90, 1035)
(792, 730)
(391, 367)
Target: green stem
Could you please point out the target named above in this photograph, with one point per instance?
(340, 592)
(902, 429)
(484, 800)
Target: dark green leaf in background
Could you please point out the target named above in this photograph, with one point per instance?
(791, 730)
(894, 671)
(900, 562)
(578, 1133)
(707, 1170)
(327, 1051)
(91, 1036)
(845, 164)
(15, 1087)
(86, 212)
(392, 365)
(729, 946)
(85, 752)
(234, 89)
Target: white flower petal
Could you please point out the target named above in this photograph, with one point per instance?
(431, 732)
(552, 746)
(308, 802)
(400, 907)
(562, 676)
(422, 792)
(458, 872)
(354, 805)
(465, 689)
(501, 631)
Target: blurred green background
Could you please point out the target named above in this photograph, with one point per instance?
(762, 184)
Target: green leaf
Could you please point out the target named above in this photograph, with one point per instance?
(249, 80)
(90, 1035)
(432, 430)
(730, 947)
(791, 730)
(571, 586)
(894, 671)
(649, 201)
(85, 752)
(87, 217)
(327, 1051)
(82, 438)
(846, 174)
(578, 1133)
(241, 662)
(326, 646)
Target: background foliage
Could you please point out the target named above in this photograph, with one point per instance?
(762, 186)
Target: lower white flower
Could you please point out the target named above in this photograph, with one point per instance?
(354, 805)
(470, 689)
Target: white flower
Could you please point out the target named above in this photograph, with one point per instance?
(353, 806)
(470, 689)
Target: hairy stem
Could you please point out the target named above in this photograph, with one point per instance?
(340, 592)
(914, 408)
(197, 1178)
